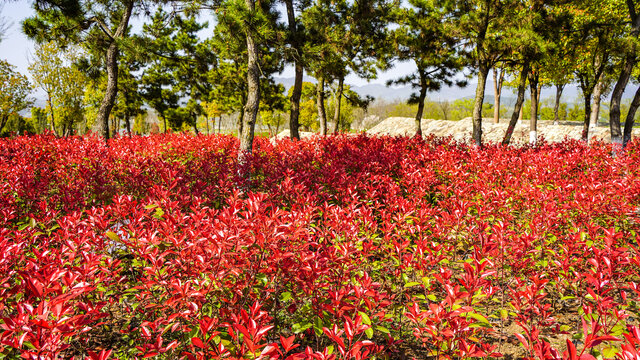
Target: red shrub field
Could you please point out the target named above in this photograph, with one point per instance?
(345, 247)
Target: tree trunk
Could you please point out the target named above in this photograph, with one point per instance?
(336, 116)
(556, 107)
(517, 110)
(587, 115)
(3, 121)
(477, 105)
(294, 115)
(533, 121)
(127, 121)
(623, 79)
(112, 72)
(497, 91)
(164, 120)
(240, 123)
(253, 100)
(53, 120)
(631, 115)
(207, 120)
(595, 110)
(219, 124)
(195, 123)
(423, 95)
(111, 91)
(521, 114)
(322, 116)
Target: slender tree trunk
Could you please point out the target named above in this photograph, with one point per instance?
(294, 115)
(240, 123)
(517, 110)
(164, 120)
(219, 124)
(111, 91)
(128, 124)
(521, 114)
(556, 107)
(112, 72)
(587, 114)
(498, 78)
(207, 120)
(253, 100)
(533, 121)
(195, 123)
(336, 116)
(595, 110)
(631, 115)
(423, 95)
(53, 120)
(623, 79)
(477, 105)
(3, 121)
(322, 115)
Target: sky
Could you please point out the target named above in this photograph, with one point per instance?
(17, 49)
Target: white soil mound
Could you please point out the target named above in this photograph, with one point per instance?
(491, 132)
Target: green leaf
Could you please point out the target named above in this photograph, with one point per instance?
(285, 296)
(317, 326)
(477, 317)
(369, 332)
(113, 236)
(300, 327)
(365, 318)
(330, 349)
(382, 329)
(411, 284)
(609, 352)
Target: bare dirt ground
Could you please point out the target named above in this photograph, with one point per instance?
(461, 130)
(492, 132)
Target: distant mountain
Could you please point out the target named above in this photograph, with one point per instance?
(570, 94)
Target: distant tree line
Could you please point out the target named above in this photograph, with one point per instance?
(98, 70)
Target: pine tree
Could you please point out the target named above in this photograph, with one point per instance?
(101, 26)
(424, 38)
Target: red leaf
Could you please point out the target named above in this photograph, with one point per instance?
(197, 342)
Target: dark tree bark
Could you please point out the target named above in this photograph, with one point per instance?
(127, 122)
(53, 120)
(595, 109)
(294, 115)
(112, 71)
(631, 115)
(623, 79)
(535, 96)
(164, 121)
(240, 121)
(498, 79)
(3, 121)
(322, 115)
(336, 116)
(556, 107)
(587, 115)
(477, 106)
(423, 95)
(517, 110)
(253, 100)
(616, 97)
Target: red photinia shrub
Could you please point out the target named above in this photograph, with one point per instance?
(344, 247)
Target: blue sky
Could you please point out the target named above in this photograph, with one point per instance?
(16, 48)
